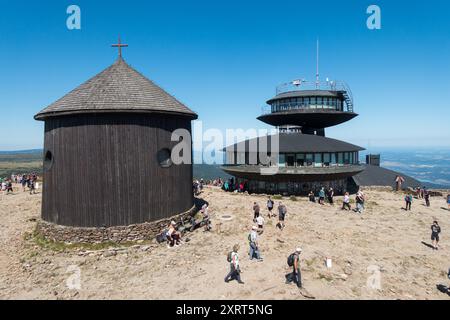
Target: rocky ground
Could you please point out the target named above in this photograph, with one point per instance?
(377, 255)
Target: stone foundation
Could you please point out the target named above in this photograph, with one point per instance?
(120, 234)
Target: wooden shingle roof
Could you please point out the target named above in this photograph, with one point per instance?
(119, 88)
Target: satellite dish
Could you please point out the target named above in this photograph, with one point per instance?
(297, 82)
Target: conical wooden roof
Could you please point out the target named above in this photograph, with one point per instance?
(119, 88)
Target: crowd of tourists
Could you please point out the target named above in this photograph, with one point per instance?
(28, 182)
(230, 185)
(323, 196)
(254, 251)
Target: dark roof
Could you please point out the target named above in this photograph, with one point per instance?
(379, 176)
(298, 142)
(118, 88)
(312, 118)
(306, 93)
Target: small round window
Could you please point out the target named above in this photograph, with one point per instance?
(48, 160)
(164, 158)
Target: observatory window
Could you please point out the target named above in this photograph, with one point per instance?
(240, 158)
(320, 102)
(48, 160)
(300, 160)
(326, 159)
(346, 158)
(306, 102)
(309, 159)
(340, 158)
(290, 160)
(164, 158)
(281, 160)
(317, 159)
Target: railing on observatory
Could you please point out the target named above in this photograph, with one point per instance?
(312, 102)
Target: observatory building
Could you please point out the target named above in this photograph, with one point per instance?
(305, 158)
(300, 158)
(107, 153)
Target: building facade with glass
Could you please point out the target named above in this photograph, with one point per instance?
(298, 159)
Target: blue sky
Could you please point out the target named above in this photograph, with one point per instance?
(224, 59)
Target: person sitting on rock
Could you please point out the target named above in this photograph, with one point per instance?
(173, 236)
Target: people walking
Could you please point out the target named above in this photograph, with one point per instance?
(435, 231)
(427, 198)
(311, 196)
(346, 202)
(235, 270)
(322, 196)
(448, 201)
(260, 222)
(282, 211)
(331, 196)
(256, 211)
(360, 202)
(270, 205)
(408, 201)
(32, 185)
(254, 245)
(294, 262)
(398, 183)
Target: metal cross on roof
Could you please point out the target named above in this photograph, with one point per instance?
(120, 46)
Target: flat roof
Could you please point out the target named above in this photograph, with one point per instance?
(298, 143)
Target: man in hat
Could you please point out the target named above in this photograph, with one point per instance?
(295, 276)
(254, 245)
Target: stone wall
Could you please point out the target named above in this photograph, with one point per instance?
(144, 231)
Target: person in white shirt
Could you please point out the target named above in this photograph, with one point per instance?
(346, 202)
(260, 222)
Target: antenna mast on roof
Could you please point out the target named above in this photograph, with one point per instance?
(317, 66)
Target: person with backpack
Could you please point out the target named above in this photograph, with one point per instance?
(294, 262)
(32, 185)
(270, 204)
(235, 270)
(254, 245)
(408, 201)
(435, 231)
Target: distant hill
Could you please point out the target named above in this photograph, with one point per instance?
(30, 151)
(209, 172)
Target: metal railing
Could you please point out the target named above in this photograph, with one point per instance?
(294, 106)
(331, 85)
